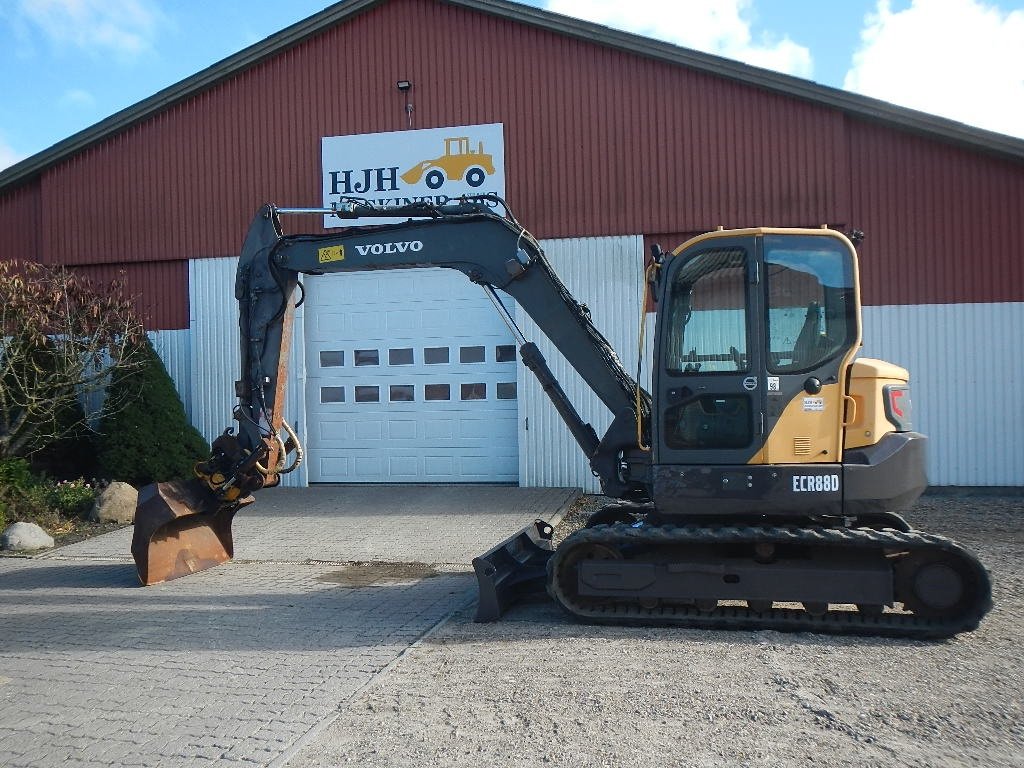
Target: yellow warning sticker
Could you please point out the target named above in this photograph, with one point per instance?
(331, 253)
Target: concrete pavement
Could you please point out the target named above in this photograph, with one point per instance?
(234, 665)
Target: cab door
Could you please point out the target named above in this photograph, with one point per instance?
(709, 385)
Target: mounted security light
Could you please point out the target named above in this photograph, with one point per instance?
(405, 87)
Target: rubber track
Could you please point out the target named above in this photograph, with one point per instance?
(780, 619)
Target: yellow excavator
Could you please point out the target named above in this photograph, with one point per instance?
(757, 486)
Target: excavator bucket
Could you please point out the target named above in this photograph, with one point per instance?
(180, 528)
(513, 569)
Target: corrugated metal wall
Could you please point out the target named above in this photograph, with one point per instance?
(966, 368)
(215, 361)
(604, 274)
(174, 349)
(159, 288)
(942, 223)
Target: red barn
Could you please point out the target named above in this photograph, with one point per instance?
(610, 141)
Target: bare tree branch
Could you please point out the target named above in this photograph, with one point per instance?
(61, 337)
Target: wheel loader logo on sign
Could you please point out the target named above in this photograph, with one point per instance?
(460, 162)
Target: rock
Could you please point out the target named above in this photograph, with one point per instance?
(24, 537)
(115, 504)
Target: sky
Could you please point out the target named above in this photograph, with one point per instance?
(68, 64)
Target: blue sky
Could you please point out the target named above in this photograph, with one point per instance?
(67, 64)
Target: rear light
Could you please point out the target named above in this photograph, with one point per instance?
(897, 406)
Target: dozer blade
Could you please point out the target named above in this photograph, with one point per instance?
(512, 569)
(180, 528)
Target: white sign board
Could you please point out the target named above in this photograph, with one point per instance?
(401, 167)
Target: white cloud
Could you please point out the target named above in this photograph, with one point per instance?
(8, 156)
(961, 59)
(721, 27)
(124, 27)
(78, 98)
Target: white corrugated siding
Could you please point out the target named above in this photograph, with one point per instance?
(966, 369)
(964, 360)
(604, 273)
(215, 362)
(173, 349)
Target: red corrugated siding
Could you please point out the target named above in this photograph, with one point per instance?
(598, 142)
(942, 224)
(160, 289)
(20, 224)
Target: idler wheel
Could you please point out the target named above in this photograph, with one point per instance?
(933, 585)
(569, 579)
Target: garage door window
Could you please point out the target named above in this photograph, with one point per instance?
(437, 392)
(505, 353)
(332, 359)
(471, 355)
(400, 356)
(435, 355)
(366, 357)
(367, 394)
(506, 390)
(402, 393)
(332, 394)
(474, 391)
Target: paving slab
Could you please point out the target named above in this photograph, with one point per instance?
(415, 523)
(234, 665)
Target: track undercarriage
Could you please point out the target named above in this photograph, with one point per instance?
(845, 580)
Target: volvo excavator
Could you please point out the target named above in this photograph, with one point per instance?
(757, 485)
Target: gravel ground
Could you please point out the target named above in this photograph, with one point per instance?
(540, 689)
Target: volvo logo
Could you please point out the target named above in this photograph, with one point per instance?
(378, 249)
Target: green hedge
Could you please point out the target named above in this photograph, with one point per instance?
(149, 439)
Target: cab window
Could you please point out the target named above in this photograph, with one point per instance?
(707, 314)
(811, 302)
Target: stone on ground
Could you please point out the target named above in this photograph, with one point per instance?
(25, 537)
(115, 504)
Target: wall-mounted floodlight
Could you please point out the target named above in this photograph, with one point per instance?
(405, 87)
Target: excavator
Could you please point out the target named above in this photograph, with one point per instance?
(757, 485)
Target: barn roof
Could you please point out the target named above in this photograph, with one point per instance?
(861, 107)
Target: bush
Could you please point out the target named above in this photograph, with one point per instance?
(72, 498)
(16, 474)
(148, 439)
(54, 505)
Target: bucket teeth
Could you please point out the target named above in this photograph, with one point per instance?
(180, 528)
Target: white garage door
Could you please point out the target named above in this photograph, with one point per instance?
(411, 377)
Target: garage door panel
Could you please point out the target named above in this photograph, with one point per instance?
(403, 467)
(448, 429)
(438, 466)
(368, 430)
(405, 429)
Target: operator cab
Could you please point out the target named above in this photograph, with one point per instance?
(757, 331)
